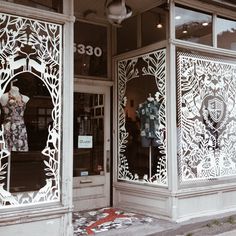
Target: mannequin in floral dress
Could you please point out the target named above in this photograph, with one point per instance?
(15, 134)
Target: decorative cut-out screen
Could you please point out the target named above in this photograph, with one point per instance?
(30, 101)
(142, 119)
(206, 118)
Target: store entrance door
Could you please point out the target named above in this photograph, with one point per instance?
(91, 168)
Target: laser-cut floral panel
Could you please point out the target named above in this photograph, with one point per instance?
(35, 47)
(142, 159)
(206, 118)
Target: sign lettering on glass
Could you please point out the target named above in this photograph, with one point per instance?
(85, 141)
(87, 49)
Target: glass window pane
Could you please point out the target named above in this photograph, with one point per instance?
(88, 135)
(154, 25)
(31, 85)
(226, 33)
(90, 49)
(142, 119)
(193, 26)
(48, 5)
(206, 116)
(127, 35)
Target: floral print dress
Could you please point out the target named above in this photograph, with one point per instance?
(15, 133)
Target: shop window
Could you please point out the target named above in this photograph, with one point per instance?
(226, 33)
(142, 119)
(154, 25)
(206, 117)
(30, 101)
(127, 35)
(90, 49)
(193, 26)
(48, 5)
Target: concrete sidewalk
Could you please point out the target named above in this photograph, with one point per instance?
(229, 233)
(117, 222)
(220, 225)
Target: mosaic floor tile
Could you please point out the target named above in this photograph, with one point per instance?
(92, 222)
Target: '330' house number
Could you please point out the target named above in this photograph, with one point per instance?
(88, 50)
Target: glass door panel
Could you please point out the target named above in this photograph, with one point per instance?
(88, 134)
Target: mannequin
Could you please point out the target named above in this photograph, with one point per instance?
(14, 91)
(148, 112)
(15, 134)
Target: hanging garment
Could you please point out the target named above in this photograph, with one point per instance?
(15, 133)
(149, 119)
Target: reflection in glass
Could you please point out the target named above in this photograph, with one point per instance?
(48, 5)
(90, 49)
(88, 134)
(206, 117)
(154, 25)
(193, 26)
(142, 121)
(127, 35)
(226, 33)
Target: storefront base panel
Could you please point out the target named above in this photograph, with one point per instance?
(181, 206)
(143, 199)
(209, 203)
(46, 224)
(47, 227)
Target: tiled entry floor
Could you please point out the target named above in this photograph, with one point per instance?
(115, 222)
(101, 220)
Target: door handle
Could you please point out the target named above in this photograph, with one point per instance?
(108, 159)
(86, 181)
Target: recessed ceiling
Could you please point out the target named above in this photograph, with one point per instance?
(96, 8)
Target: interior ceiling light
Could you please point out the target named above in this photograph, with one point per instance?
(159, 24)
(117, 11)
(178, 17)
(185, 29)
(205, 23)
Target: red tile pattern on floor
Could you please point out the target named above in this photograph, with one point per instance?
(92, 222)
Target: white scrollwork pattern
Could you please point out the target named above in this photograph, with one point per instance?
(43, 59)
(206, 118)
(155, 66)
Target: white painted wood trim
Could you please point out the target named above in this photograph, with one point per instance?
(68, 111)
(204, 6)
(140, 51)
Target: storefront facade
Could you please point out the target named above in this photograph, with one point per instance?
(139, 117)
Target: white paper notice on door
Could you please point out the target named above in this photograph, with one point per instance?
(85, 141)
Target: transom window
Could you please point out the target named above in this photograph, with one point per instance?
(48, 5)
(196, 27)
(193, 26)
(226, 33)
